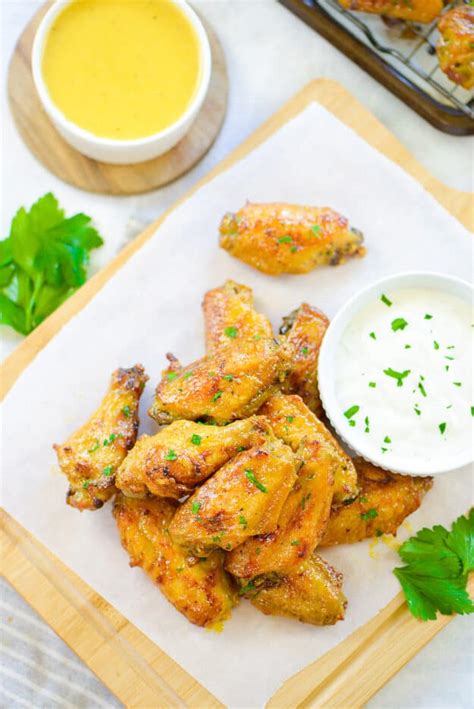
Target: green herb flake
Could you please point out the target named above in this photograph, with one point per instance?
(250, 586)
(399, 324)
(126, 411)
(370, 514)
(290, 419)
(435, 345)
(228, 377)
(472, 410)
(351, 411)
(384, 450)
(352, 423)
(442, 427)
(385, 300)
(195, 507)
(315, 229)
(417, 410)
(367, 425)
(399, 376)
(446, 367)
(294, 249)
(217, 395)
(240, 449)
(94, 447)
(171, 375)
(243, 522)
(457, 384)
(231, 331)
(295, 543)
(372, 385)
(447, 357)
(373, 335)
(387, 439)
(196, 440)
(249, 474)
(422, 389)
(285, 240)
(86, 484)
(408, 347)
(187, 375)
(428, 316)
(304, 350)
(304, 500)
(363, 498)
(171, 455)
(108, 441)
(107, 471)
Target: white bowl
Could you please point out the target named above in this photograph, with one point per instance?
(108, 149)
(327, 374)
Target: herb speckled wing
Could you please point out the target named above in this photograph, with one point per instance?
(294, 423)
(91, 456)
(243, 498)
(312, 594)
(414, 10)
(385, 500)
(229, 385)
(184, 454)
(455, 47)
(287, 238)
(229, 316)
(302, 521)
(198, 588)
(302, 334)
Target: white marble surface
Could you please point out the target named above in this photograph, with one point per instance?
(270, 56)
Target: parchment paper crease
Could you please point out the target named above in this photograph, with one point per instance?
(152, 306)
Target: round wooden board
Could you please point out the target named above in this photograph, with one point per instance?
(68, 164)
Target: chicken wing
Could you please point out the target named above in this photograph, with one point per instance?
(90, 457)
(198, 588)
(243, 498)
(184, 454)
(229, 385)
(294, 423)
(302, 334)
(312, 594)
(415, 10)
(287, 238)
(229, 316)
(385, 500)
(455, 48)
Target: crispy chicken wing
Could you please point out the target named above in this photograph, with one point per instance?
(385, 500)
(243, 498)
(287, 238)
(455, 48)
(90, 457)
(302, 334)
(414, 10)
(311, 594)
(198, 588)
(229, 317)
(184, 454)
(294, 423)
(229, 385)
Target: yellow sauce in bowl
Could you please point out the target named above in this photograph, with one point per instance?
(122, 69)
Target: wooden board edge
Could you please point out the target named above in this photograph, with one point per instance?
(328, 93)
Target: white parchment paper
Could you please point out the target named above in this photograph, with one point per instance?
(152, 306)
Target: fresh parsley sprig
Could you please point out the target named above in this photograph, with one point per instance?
(437, 565)
(42, 262)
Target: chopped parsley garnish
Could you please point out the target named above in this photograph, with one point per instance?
(231, 331)
(304, 500)
(373, 335)
(408, 347)
(229, 377)
(447, 357)
(447, 367)
(107, 471)
(399, 324)
(250, 586)
(108, 441)
(367, 425)
(457, 384)
(94, 447)
(295, 543)
(435, 345)
(442, 427)
(387, 439)
(451, 347)
(196, 440)
(294, 249)
(243, 522)
(372, 385)
(171, 375)
(217, 396)
(399, 376)
(385, 300)
(472, 410)
(370, 514)
(86, 484)
(290, 419)
(285, 240)
(171, 455)
(249, 474)
(315, 229)
(304, 350)
(428, 316)
(422, 388)
(351, 411)
(384, 450)
(352, 422)
(240, 449)
(417, 410)
(217, 538)
(195, 507)
(126, 410)
(187, 375)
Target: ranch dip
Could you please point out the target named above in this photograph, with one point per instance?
(404, 375)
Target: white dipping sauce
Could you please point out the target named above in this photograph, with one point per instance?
(406, 361)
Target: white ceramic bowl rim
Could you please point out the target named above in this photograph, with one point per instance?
(326, 378)
(37, 56)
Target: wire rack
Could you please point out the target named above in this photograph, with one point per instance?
(408, 45)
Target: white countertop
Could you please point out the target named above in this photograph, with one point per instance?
(270, 55)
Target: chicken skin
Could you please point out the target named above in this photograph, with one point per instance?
(243, 498)
(198, 588)
(229, 317)
(302, 334)
(280, 238)
(385, 500)
(423, 11)
(311, 594)
(455, 48)
(91, 456)
(294, 423)
(229, 385)
(184, 454)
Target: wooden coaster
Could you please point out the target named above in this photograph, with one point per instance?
(68, 164)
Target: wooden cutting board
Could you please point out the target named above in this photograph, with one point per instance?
(136, 670)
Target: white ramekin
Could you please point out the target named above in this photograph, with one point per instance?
(108, 149)
(326, 367)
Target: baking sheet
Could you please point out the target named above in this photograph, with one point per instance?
(152, 306)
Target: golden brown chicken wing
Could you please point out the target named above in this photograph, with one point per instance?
(301, 523)
(455, 48)
(294, 423)
(287, 238)
(303, 331)
(184, 454)
(385, 500)
(414, 10)
(243, 498)
(229, 317)
(90, 457)
(229, 385)
(312, 594)
(198, 588)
